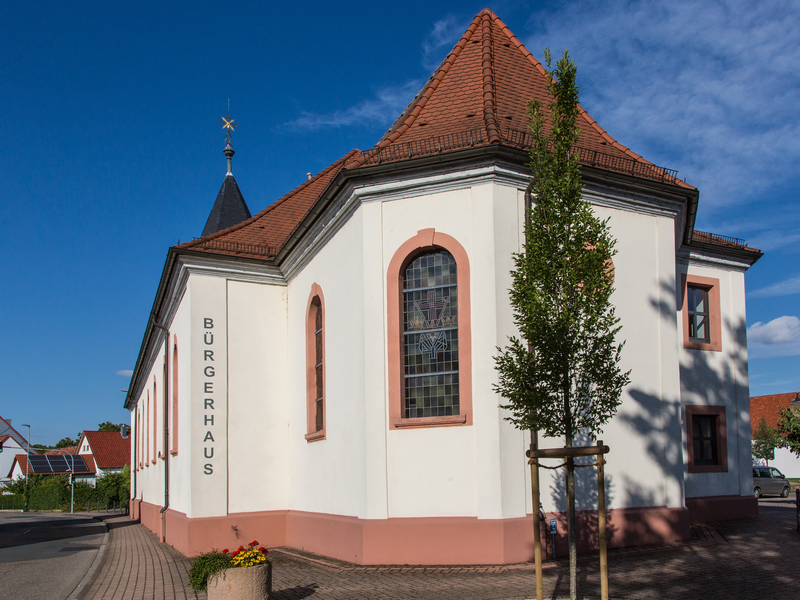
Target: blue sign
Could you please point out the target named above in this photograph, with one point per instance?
(553, 529)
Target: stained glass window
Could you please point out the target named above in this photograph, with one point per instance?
(430, 332)
(316, 308)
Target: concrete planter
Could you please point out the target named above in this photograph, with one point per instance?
(244, 583)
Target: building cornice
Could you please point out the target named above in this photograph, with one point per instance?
(729, 259)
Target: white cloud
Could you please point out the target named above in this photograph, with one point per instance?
(383, 109)
(706, 87)
(787, 287)
(778, 331)
(779, 337)
(444, 35)
(125, 373)
(390, 101)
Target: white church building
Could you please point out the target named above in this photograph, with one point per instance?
(320, 375)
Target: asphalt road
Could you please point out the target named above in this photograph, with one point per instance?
(45, 555)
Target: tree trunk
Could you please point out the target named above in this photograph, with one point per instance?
(573, 559)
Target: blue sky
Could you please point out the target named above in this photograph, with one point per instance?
(113, 151)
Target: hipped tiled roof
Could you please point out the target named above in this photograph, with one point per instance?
(263, 235)
(109, 448)
(477, 97)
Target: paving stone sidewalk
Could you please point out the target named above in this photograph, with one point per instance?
(137, 567)
(743, 559)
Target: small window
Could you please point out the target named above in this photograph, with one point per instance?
(705, 439)
(699, 330)
(702, 321)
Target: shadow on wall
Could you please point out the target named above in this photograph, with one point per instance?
(586, 531)
(707, 378)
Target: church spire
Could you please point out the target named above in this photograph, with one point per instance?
(230, 208)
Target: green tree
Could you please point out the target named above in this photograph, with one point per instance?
(765, 440)
(107, 426)
(66, 442)
(789, 429)
(562, 375)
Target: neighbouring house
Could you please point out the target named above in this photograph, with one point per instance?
(769, 407)
(320, 374)
(52, 463)
(12, 443)
(109, 450)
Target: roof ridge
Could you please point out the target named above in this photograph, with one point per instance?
(592, 123)
(489, 80)
(271, 207)
(430, 86)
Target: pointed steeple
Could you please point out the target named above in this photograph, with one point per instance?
(230, 208)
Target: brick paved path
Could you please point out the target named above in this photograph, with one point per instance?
(744, 559)
(137, 567)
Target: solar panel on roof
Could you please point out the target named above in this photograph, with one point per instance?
(58, 463)
(80, 464)
(39, 463)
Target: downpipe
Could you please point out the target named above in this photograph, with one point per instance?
(165, 457)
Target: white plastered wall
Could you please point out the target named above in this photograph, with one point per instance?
(644, 466)
(329, 476)
(721, 378)
(258, 413)
(181, 463)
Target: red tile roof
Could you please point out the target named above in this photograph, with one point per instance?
(478, 96)
(264, 234)
(484, 86)
(109, 448)
(67, 449)
(713, 239)
(768, 406)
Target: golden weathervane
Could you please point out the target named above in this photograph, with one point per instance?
(228, 124)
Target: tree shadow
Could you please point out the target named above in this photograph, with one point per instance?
(586, 503)
(706, 378)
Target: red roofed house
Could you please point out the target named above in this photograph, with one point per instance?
(109, 450)
(320, 374)
(20, 466)
(770, 407)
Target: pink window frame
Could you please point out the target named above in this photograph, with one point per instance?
(174, 450)
(722, 438)
(711, 285)
(155, 421)
(427, 240)
(312, 435)
(146, 433)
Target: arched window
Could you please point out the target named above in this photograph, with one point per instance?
(155, 422)
(147, 439)
(174, 396)
(430, 367)
(315, 365)
(430, 336)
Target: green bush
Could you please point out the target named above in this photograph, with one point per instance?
(206, 565)
(11, 502)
